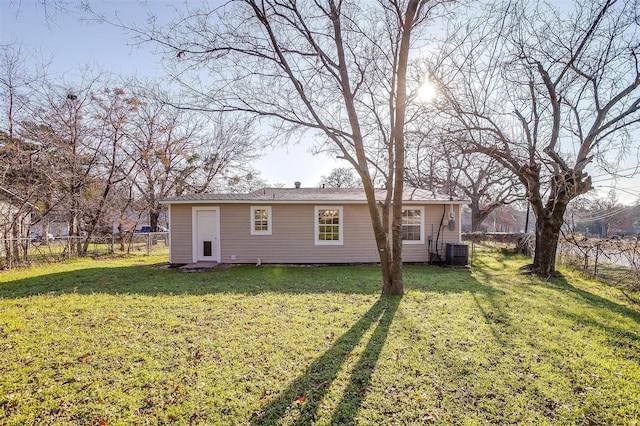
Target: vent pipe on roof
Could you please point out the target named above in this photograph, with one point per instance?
(297, 184)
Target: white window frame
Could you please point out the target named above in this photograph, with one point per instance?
(252, 212)
(421, 240)
(316, 228)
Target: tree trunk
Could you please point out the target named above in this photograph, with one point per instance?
(547, 237)
(380, 222)
(395, 286)
(98, 213)
(476, 220)
(544, 262)
(121, 235)
(154, 214)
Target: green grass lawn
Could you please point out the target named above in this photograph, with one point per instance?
(127, 341)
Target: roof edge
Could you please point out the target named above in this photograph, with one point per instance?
(336, 202)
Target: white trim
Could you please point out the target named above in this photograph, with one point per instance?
(194, 232)
(307, 202)
(421, 240)
(252, 210)
(459, 223)
(170, 226)
(316, 226)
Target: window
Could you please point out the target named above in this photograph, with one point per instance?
(328, 225)
(412, 225)
(260, 220)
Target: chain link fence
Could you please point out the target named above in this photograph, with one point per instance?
(24, 251)
(614, 260)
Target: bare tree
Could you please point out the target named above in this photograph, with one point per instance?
(441, 164)
(177, 150)
(15, 82)
(243, 181)
(18, 190)
(341, 177)
(20, 179)
(67, 144)
(488, 186)
(338, 68)
(545, 92)
(113, 110)
(12, 79)
(76, 135)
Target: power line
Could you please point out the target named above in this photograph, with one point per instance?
(616, 181)
(634, 193)
(600, 216)
(614, 174)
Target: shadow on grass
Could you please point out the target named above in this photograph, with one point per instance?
(598, 302)
(302, 399)
(496, 318)
(154, 280)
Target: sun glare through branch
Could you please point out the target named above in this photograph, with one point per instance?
(426, 92)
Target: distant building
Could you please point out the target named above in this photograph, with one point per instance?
(15, 218)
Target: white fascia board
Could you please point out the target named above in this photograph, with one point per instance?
(336, 202)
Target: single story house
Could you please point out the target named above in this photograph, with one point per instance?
(304, 225)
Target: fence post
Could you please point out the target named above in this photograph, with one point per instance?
(10, 253)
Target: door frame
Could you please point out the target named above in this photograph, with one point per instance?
(194, 232)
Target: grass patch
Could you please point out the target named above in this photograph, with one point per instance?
(126, 341)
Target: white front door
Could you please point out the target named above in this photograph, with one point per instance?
(206, 230)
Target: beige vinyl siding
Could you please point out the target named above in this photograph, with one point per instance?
(292, 239)
(433, 217)
(181, 234)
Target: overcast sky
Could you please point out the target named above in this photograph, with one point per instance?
(71, 43)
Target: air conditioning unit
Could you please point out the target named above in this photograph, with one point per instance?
(457, 254)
